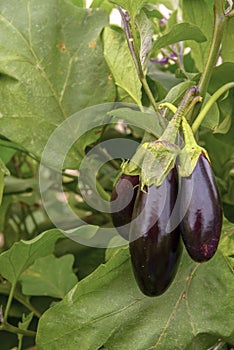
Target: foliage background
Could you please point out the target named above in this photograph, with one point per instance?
(57, 58)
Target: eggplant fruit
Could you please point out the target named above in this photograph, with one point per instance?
(155, 246)
(201, 212)
(124, 192)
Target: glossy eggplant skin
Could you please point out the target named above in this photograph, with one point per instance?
(201, 212)
(155, 249)
(125, 190)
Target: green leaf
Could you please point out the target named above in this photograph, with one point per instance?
(26, 320)
(6, 153)
(221, 75)
(51, 66)
(166, 78)
(1, 184)
(146, 30)
(105, 4)
(120, 61)
(177, 92)
(152, 11)
(198, 13)
(132, 6)
(3, 168)
(228, 38)
(3, 171)
(157, 89)
(107, 309)
(173, 19)
(226, 109)
(152, 122)
(79, 3)
(49, 276)
(21, 255)
(227, 243)
(211, 119)
(87, 258)
(180, 32)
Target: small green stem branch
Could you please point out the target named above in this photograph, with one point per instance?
(219, 22)
(5, 289)
(209, 104)
(8, 327)
(171, 131)
(149, 93)
(9, 301)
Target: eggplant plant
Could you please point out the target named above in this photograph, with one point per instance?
(116, 175)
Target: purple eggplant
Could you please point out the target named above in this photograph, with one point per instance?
(124, 192)
(155, 245)
(201, 212)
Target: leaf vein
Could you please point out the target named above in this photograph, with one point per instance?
(175, 308)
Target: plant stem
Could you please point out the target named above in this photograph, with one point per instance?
(131, 37)
(5, 289)
(9, 301)
(8, 327)
(170, 132)
(209, 104)
(149, 93)
(219, 21)
(168, 105)
(140, 70)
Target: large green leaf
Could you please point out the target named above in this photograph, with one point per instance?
(49, 276)
(199, 13)
(51, 64)
(107, 309)
(23, 254)
(180, 32)
(121, 63)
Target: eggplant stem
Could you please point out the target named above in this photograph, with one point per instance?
(209, 104)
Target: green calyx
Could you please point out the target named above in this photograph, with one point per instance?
(190, 153)
(152, 162)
